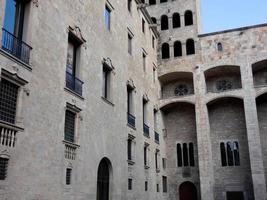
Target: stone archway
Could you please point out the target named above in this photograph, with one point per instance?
(187, 191)
(103, 179)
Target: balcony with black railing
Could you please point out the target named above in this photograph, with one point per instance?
(156, 137)
(74, 84)
(131, 120)
(146, 130)
(15, 46)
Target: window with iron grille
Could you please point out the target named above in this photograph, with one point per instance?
(164, 184)
(69, 126)
(3, 168)
(68, 176)
(130, 184)
(8, 101)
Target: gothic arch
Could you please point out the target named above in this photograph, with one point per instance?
(104, 173)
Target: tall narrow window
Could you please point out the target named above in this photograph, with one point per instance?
(179, 156)
(190, 47)
(146, 185)
(143, 25)
(129, 5)
(130, 184)
(130, 114)
(188, 18)
(164, 184)
(230, 154)
(3, 168)
(153, 42)
(191, 155)
(185, 154)
(68, 176)
(145, 156)
(165, 51)
(164, 22)
(236, 154)
(129, 149)
(130, 45)
(146, 127)
(157, 187)
(69, 126)
(176, 22)
(154, 73)
(107, 72)
(156, 160)
(164, 163)
(223, 154)
(177, 49)
(8, 101)
(107, 17)
(144, 61)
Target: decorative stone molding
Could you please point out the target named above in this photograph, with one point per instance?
(108, 63)
(130, 83)
(76, 31)
(181, 90)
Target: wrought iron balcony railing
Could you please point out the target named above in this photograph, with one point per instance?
(156, 137)
(131, 120)
(74, 84)
(146, 130)
(15, 46)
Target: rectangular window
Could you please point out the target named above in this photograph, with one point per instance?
(3, 168)
(164, 163)
(130, 40)
(154, 73)
(153, 42)
(145, 126)
(146, 185)
(156, 160)
(130, 184)
(145, 156)
(129, 5)
(143, 25)
(106, 82)
(164, 184)
(68, 176)
(8, 101)
(69, 126)
(130, 116)
(157, 187)
(129, 148)
(107, 17)
(144, 62)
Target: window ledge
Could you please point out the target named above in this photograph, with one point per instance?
(73, 93)
(132, 127)
(107, 101)
(10, 126)
(8, 55)
(71, 144)
(130, 162)
(146, 135)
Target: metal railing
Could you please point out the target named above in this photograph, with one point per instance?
(74, 83)
(7, 137)
(15, 46)
(70, 152)
(156, 137)
(131, 119)
(146, 130)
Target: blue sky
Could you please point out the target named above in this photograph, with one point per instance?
(219, 15)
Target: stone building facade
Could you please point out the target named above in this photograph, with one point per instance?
(128, 100)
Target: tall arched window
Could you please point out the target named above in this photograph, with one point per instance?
(188, 18)
(103, 179)
(185, 154)
(154, 20)
(230, 156)
(223, 154)
(179, 156)
(165, 51)
(236, 154)
(152, 2)
(176, 22)
(164, 22)
(177, 47)
(191, 155)
(190, 47)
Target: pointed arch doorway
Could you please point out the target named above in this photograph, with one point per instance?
(187, 191)
(103, 179)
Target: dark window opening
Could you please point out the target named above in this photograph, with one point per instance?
(154, 20)
(107, 17)
(3, 168)
(130, 184)
(230, 154)
(68, 176)
(130, 41)
(145, 156)
(130, 116)
(185, 154)
(164, 163)
(144, 61)
(179, 156)
(164, 22)
(165, 51)
(153, 42)
(143, 26)
(188, 18)
(191, 155)
(129, 5)
(163, 1)
(220, 46)
(146, 185)
(235, 196)
(152, 2)
(103, 179)
(157, 187)
(129, 149)
(106, 82)
(176, 22)
(8, 101)
(156, 160)
(177, 49)
(236, 154)
(190, 47)
(223, 154)
(164, 184)
(69, 126)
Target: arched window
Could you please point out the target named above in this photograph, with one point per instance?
(152, 2)
(103, 179)
(154, 20)
(230, 154)
(179, 156)
(165, 51)
(176, 20)
(219, 46)
(164, 22)
(188, 18)
(236, 153)
(177, 47)
(191, 155)
(190, 47)
(185, 154)
(223, 154)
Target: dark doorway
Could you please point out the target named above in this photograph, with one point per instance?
(188, 191)
(234, 195)
(103, 179)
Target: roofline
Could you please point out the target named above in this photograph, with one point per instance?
(232, 30)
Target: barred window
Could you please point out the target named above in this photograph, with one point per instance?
(3, 168)
(130, 184)
(8, 101)
(69, 126)
(185, 155)
(230, 154)
(68, 176)
(164, 184)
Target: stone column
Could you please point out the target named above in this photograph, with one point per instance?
(253, 133)
(206, 173)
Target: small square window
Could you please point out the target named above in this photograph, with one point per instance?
(3, 168)
(130, 184)
(68, 176)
